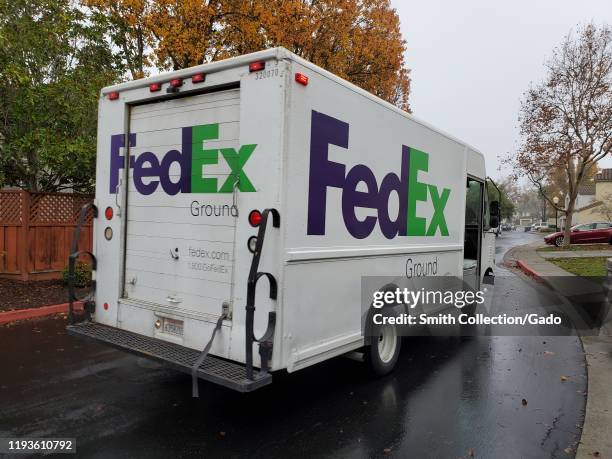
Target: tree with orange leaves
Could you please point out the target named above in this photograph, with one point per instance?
(355, 39)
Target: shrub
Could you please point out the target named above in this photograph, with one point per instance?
(82, 274)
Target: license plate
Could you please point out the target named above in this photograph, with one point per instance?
(173, 327)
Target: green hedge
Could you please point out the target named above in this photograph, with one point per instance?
(82, 274)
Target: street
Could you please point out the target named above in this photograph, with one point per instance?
(497, 396)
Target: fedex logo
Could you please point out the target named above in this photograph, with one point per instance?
(325, 174)
(149, 171)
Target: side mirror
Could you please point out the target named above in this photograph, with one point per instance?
(494, 208)
(494, 214)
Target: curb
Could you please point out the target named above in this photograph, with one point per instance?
(528, 270)
(31, 313)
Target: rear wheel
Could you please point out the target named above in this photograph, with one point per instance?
(559, 241)
(383, 352)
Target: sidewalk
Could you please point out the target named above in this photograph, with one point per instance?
(576, 254)
(596, 436)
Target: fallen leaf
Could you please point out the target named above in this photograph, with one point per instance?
(595, 454)
(564, 378)
(568, 450)
(524, 402)
(471, 452)
(387, 450)
(549, 353)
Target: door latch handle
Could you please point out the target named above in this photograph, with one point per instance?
(118, 213)
(235, 191)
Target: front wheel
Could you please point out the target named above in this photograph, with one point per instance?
(559, 241)
(383, 352)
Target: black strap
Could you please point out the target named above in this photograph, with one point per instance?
(254, 276)
(89, 303)
(196, 365)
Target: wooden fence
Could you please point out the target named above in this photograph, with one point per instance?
(36, 231)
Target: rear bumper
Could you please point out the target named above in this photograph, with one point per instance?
(213, 369)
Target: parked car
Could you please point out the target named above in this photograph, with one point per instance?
(537, 226)
(586, 233)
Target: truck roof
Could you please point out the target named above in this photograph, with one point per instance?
(278, 53)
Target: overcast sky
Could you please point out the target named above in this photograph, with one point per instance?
(472, 60)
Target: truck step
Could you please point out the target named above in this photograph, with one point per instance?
(213, 369)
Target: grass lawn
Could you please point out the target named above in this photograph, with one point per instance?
(593, 266)
(577, 247)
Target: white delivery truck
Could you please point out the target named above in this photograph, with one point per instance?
(241, 202)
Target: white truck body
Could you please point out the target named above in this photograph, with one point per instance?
(360, 186)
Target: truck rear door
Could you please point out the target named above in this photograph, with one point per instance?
(181, 212)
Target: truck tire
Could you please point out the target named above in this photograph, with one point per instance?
(382, 354)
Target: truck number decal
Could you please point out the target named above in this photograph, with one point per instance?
(267, 74)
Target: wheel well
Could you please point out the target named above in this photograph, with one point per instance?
(489, 276)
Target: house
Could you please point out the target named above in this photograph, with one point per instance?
(594, 200)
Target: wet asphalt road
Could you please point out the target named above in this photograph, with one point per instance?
(447, 398)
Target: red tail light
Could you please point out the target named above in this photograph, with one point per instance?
(301, 79)
(257, 66)
(154, 87)
(198, 78)
(108, 213)
(176, 83)
(254, 218)
(113, 95)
